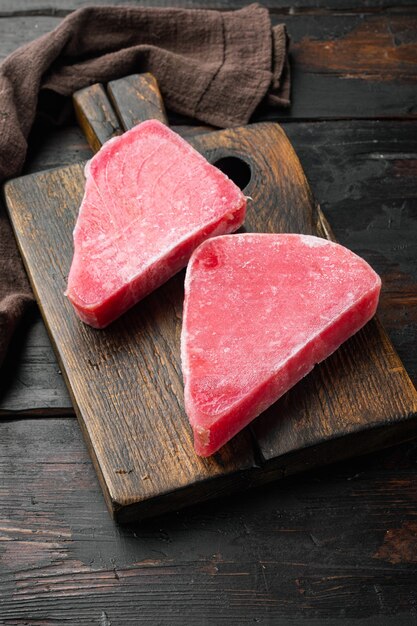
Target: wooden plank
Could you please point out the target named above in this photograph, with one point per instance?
(137, 98)
(329, 547)
(347, 67)
(377, 48)
(344, 65)
(96, 116)
(149, 337)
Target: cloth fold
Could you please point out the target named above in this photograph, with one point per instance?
(210, 65)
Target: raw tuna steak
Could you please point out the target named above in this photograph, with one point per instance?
(150, 200)
(260, 311)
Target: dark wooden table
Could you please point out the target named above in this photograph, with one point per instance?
(336, 546)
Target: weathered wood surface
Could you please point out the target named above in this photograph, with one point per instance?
(98, 109)
(96, 116)
(345, 64)
(125, 94)
(332, 547)
(333, 402)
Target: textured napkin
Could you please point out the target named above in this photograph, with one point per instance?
(211, 65)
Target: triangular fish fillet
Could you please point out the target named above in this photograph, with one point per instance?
(260, 311)
(150, 200)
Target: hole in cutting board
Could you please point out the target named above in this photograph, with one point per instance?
(235, 168)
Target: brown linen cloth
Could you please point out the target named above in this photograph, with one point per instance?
(210, 65)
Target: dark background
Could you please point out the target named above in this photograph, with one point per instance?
(335, 546)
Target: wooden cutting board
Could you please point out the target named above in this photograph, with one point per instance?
(125, 381)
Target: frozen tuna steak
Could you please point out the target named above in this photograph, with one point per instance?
(260, 311)
(150, 199)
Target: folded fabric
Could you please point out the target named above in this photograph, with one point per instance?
(213, 66)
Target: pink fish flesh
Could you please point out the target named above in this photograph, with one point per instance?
(260, 311)
(150, 199)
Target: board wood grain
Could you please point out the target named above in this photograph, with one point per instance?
(95, 115)
(137, 98)
(126, 381)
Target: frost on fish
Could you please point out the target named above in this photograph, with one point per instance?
(260, 311)
(150, 199)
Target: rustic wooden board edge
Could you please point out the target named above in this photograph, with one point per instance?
(338, 449)
(191, 495)
(325, 454)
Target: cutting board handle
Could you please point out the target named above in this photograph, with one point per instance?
(128, 102)
(137, 98)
